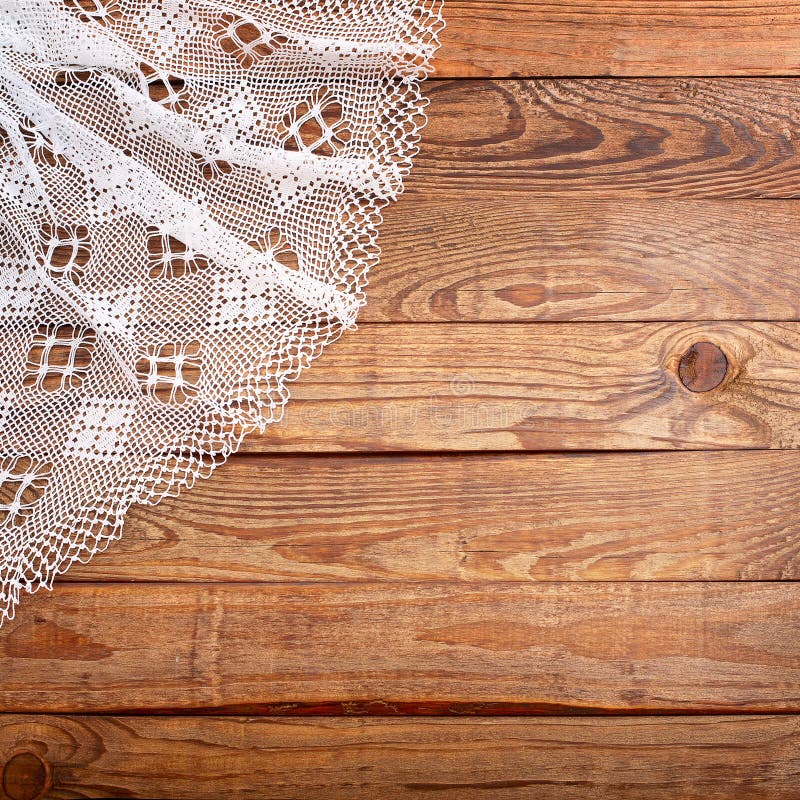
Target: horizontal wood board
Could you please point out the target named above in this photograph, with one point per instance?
(668, 137)
(601, 648)
(188, 758)
(559, 386)
(504, 258)
(486, 38)
(471, 518)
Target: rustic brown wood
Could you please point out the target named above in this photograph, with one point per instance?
(501, 258)
(247, 648)
(488, 583)
(562, 37)
(703, 367)
(517, 517)
(659, 137)
(595, 386)
(189, 758)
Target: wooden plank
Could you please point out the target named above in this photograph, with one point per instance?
(189, 758)
(500, 258)
(660, 137)
(484, 517)
(273, 648)
(582, 386)
(485, 38)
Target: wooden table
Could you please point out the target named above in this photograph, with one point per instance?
(533, 531)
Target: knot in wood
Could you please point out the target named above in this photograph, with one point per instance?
(25, 776)
(702, 367)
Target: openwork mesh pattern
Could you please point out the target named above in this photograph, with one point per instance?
(189, 198)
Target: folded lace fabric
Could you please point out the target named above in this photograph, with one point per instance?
(190, 192)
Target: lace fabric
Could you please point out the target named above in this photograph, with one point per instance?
(190, 193)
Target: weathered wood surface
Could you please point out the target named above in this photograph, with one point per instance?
(659, 137)
(272, 648)
(486, 583)
(501, 258)
(581, 386)
(191, 758)
(530, 517)
(605, 37)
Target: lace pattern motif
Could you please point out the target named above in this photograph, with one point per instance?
(190, 192)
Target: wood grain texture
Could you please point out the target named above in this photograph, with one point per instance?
(585, 589)
(582, 386)
(481, 517)
(501, 258)
(487, 38)
(260, 648)
(190, 758)
(660, 137)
